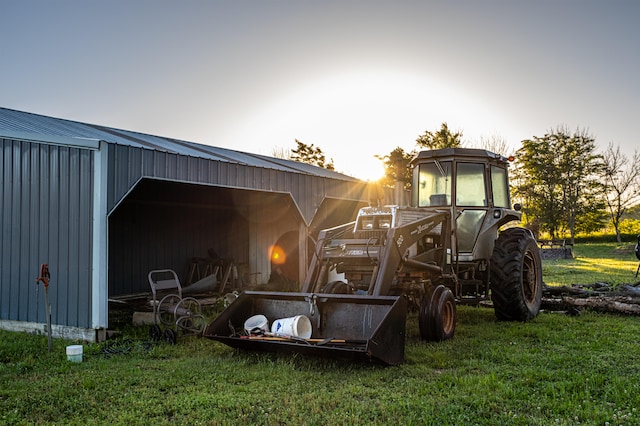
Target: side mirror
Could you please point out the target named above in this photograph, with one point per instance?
(517, 207)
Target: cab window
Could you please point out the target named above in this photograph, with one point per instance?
(434, 184)
(470, 185)
(500, 187)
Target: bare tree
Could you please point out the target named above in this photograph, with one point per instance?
(280, 152)
(622, 183)
(496, 144)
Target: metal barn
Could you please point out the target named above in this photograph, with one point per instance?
(102, 207)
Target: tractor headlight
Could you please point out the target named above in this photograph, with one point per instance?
(384, 223)
(367, 223)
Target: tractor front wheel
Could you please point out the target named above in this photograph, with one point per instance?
(516, 276)
(437, 316)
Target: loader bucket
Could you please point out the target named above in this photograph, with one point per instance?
(369, 328)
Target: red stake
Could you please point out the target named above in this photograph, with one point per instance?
(44, 277)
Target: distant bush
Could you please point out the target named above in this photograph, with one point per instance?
(630, 226)
(608, 237)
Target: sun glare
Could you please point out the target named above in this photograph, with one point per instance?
(368, 169)
(353, 116)
(278, 256)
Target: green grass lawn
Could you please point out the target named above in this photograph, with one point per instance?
(605, 262)
(554, 370)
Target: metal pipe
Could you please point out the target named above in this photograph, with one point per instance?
(422, 265)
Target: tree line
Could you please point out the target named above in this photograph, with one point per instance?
(563, 184)
(567, 186)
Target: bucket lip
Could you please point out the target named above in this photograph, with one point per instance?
(307, 324)
(257, 317)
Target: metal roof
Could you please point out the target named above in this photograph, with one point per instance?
(29, 123)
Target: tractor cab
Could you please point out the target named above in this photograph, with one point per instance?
(473, 185)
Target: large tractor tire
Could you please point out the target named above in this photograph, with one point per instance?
(516, 276)
(437, 316)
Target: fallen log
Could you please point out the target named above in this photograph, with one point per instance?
(604, 304)
(627, 306)
(564, 290)
(630, 290)
(583, 290)
(624, 299)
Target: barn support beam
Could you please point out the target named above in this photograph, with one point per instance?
(303, 255)
(99, 281)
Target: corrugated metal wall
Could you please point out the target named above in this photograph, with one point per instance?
(272, 216)
(128, 164)
(46, 211)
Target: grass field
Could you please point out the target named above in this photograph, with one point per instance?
(604, 262)
(554, 370)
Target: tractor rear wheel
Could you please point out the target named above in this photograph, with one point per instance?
(437, 316)
(516, 276)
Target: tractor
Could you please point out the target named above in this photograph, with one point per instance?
(455, 244)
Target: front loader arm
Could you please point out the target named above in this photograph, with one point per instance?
(315, 271)
(399, 239)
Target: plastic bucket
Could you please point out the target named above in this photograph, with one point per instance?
(256, 321)
(298, 326)
(74, 353)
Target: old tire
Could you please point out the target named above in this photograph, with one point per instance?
(437, 316)
(516, 276)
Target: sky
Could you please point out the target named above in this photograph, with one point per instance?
(355, 78)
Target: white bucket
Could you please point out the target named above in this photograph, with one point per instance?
(256, 321)
(74, 353)
(298, 326)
